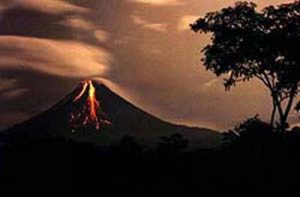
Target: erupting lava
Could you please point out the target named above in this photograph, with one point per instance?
(94, 104)
(88, 114)
(85, 85)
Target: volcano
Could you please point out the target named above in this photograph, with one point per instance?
(94, 113)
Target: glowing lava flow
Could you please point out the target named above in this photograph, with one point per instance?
(94, 104)
(87, 113)
(85, 85)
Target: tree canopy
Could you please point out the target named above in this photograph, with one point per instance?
(247, 44)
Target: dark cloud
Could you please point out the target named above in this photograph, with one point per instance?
(54, 57)
(17, 21)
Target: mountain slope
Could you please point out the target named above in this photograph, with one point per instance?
(72, 118)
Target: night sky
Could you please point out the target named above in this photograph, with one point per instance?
(142, 49)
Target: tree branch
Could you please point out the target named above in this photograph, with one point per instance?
(290, 102)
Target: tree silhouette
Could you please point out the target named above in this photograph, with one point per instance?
(172, 144)
(248, 44)
(128, 146)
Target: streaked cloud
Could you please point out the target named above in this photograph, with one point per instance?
(159, 2)
(212, 82)
(13, 93)
(185, 21)
(160, 27)
(47, 6)
(81, 24)
(78, 23)
(101, 35)
(6, 84)
(59, 58)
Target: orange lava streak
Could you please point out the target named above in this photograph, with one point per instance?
(88, 113)
(82, 91)
(94, 104)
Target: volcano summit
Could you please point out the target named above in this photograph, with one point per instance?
(89, 113)
(94, 113)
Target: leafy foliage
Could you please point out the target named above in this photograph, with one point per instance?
(249, 44)
(250, 127)
(254, 137)
(172, 144)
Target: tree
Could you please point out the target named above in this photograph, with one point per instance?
(251, 135)
(128, 146)
(172, 144)
(248, 44)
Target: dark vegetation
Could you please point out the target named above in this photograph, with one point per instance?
(249, 44)
(253, 161)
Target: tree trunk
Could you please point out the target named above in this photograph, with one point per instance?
(281, 113)
(284, 118)
(273, 114)
(283, 123)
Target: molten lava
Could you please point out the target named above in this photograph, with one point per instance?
(94, 104)
(87, 113)
(85, 85)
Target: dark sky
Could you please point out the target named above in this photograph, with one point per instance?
(142, 48)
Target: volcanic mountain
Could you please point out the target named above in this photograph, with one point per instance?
(94, 113)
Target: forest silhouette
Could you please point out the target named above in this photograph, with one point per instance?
(256, 158)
